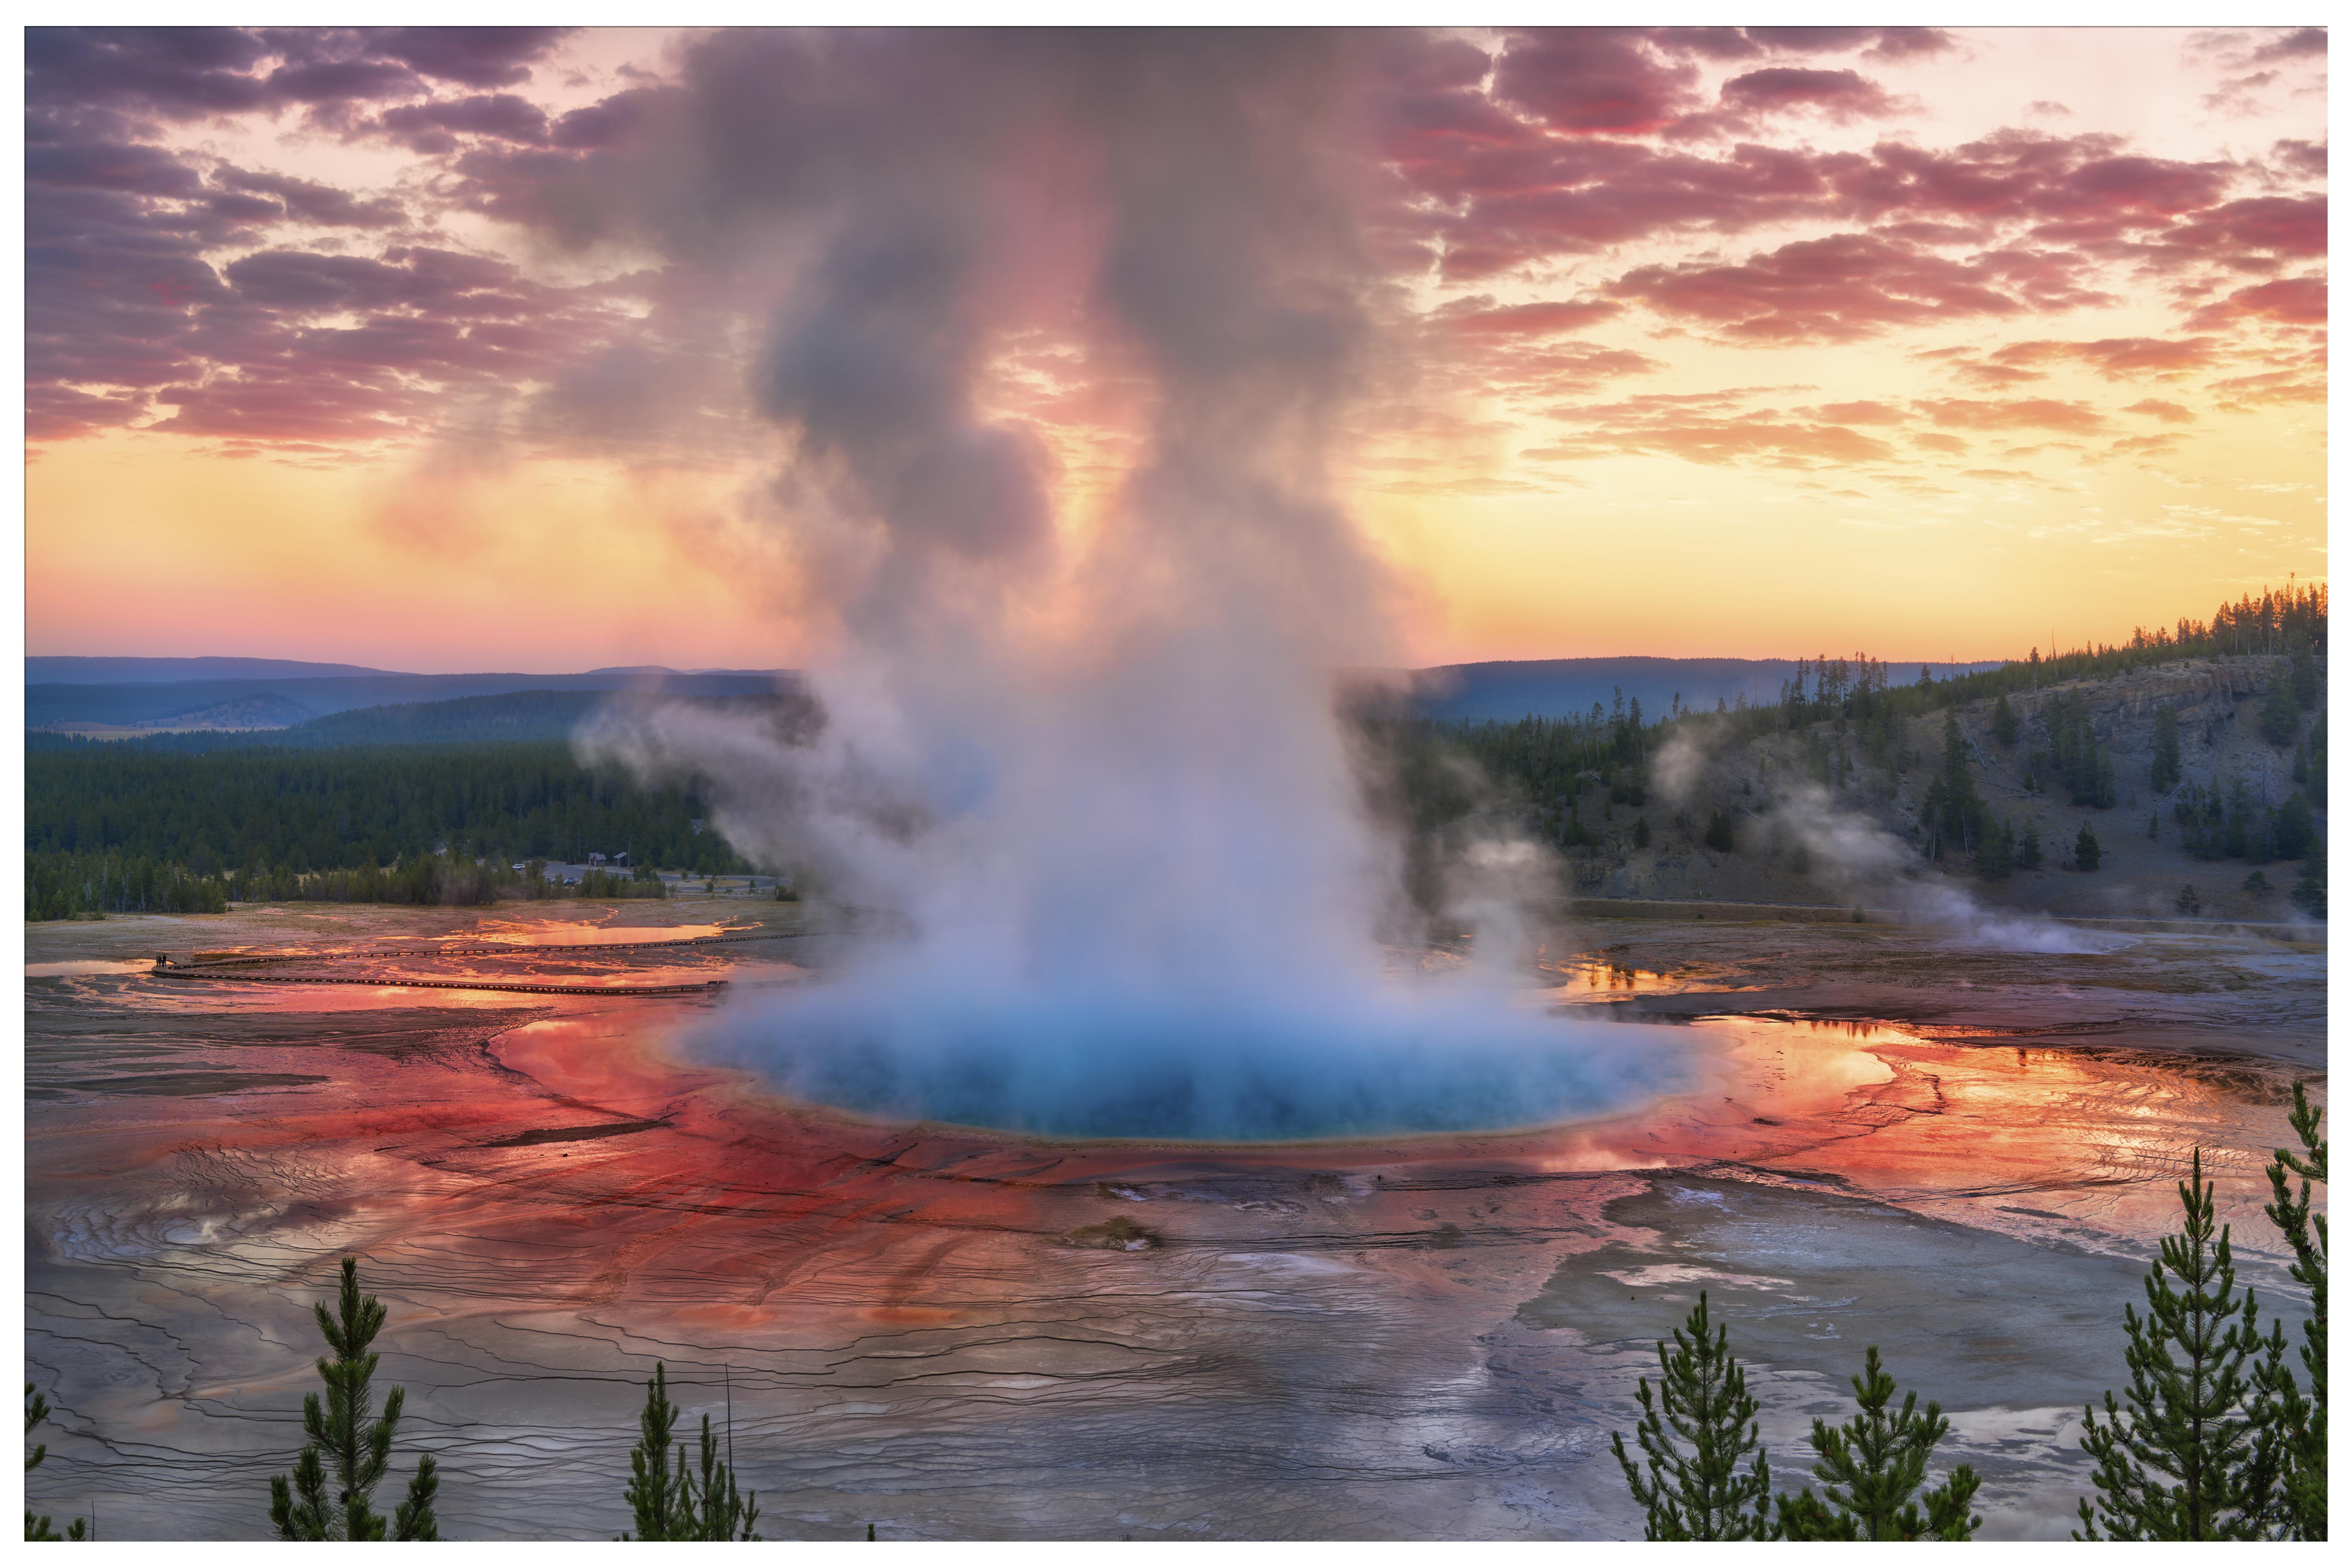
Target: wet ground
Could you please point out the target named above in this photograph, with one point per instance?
(1963, 1157)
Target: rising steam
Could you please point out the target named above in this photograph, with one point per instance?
(1855, 861)
(1098, 778)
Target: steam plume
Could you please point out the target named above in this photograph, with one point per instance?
(1105, 785)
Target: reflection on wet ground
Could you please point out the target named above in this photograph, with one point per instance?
(1963, 1158)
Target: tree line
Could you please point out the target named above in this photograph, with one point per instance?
(77, 886)
(2217, 1438)
(111, 831)
(506, 716)
(1851, 714)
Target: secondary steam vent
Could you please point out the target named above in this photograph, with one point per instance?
(1121, 1062)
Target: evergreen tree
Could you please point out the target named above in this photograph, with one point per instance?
(1641, 833)
(1997, 854)
(653, 1491)
(1702, 1400)
(2293, 831)
(2086, 850)
(414, 1519)
(2296, 1421)
(1951, 811)
(2302, 674)
(1871, 1469)
(2028, 848)
(2185, 1459)
(2309, 893)
(2004, 722)
(669, 1499)
(1718, 831)
(2075, 755)
(2164, 770)
(2277, 715)
(360, 1450)
(37, 1527)
(2314, 783)
(718, 1511)
(2187, 902)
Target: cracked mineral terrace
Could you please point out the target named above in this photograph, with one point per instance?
(1963, 1157)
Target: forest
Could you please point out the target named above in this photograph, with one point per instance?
(185, 823)
(456, 721)
(1847, 714)
(114, 829)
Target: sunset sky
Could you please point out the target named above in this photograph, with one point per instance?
(421, 349)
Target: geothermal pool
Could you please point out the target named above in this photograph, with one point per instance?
(1388, 1058)
(1847, 1135)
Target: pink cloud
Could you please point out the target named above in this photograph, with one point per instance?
(1853, 286)
(2297, 301)
(2019, 413)
(1592, 80)
(1842, 94)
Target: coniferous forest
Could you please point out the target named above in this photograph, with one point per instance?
(185, 824)
(114, 830)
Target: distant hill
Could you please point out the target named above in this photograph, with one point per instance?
(198, 704)
(1559, 688)
(43, 669)
(134, 696)
(505, 716)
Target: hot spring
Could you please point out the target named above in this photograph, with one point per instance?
(1119, 1062)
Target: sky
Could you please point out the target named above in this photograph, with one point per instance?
(444, 349)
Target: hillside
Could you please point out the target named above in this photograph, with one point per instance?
(1814, 819)
(1562, 687)
(118, 709)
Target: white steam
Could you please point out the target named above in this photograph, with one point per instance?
(1858, 860)
(1103, 789)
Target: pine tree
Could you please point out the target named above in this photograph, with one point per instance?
(359, 1449)
(38, 1527)
(676, 1504)
(718, 1511)
(1719, 832)
(413, 1519)
(2185, 1459)
(2309, 893)
(2164, 770)
(1871, 1469)
(1641, 833)
(1997, 854)
(1958, 812)
(1703, 1400)
(2302, 675)
(2086, 850)
(2277, 716)
(2029, 847)
(2004, 722)
(653, 1491)
(2296, 1421)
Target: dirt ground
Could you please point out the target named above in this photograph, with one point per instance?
(1884, 1136)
